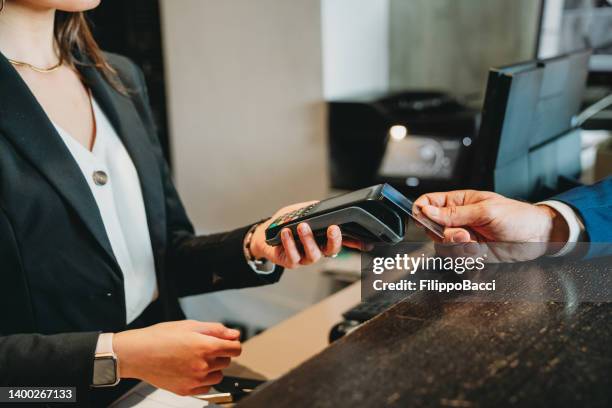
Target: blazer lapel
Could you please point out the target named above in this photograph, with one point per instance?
(130, 128)
(26, 125)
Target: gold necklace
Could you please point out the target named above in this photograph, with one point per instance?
(35, 68)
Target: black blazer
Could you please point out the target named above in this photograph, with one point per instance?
(60, 284)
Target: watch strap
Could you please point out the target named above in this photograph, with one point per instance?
(259, 265)
(105, 344)
(247, 244)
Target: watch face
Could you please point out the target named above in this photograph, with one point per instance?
(105, 371)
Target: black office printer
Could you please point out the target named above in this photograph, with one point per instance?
(414, 140)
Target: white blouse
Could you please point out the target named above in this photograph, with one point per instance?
(114, 183)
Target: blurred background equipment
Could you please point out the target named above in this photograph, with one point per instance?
(413, 140)
(529, 144)
(570, 25)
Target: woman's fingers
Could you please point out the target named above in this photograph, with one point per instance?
(312, 253)
(218, 363)
(355, 244)
(334, 241)
(291, 252)
(215, 347)
(212, 378)
(200, 390)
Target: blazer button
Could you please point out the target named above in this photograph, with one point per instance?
(100, 177)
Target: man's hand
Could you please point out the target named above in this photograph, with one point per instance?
(185, 357)
(481, 216)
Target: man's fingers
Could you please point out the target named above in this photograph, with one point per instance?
(437, 199)
(456, 235)
(429, 199)
(442, 199)
(458, 242)
(454, 216)
(455, 198)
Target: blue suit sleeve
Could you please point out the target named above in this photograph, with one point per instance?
(594, 205)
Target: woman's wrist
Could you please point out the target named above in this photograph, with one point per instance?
(121, 347)
(257, 242)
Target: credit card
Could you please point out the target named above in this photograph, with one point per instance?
(429, 224)
(398, 200)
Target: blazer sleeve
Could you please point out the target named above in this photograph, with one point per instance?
(594, 206)
(202, 263)
(54, 360)
(34, 359)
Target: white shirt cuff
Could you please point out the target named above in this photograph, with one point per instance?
(575, 224)
(263, 269)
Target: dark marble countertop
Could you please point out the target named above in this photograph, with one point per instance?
(550, 348)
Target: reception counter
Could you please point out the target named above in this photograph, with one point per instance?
(550, 346)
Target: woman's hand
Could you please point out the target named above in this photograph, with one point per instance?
(184, 357)
(288, 255)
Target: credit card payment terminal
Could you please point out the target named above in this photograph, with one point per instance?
(373, 214)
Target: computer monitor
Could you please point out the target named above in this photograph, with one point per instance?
(570, 25)
(528, 145)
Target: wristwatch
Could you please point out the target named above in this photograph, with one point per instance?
(262, 266)
(106, 365)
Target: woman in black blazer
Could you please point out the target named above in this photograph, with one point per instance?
(62, 282)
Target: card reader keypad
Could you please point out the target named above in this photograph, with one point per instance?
(293, 215)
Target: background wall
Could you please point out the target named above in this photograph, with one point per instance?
(246, 107)
(247, 119)
(450, 44)
(355, 46)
